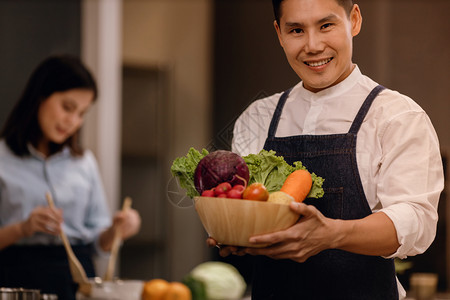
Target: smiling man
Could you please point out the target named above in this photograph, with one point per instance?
(376, 149)
(317, 39)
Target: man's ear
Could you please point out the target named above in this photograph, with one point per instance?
(278, 30)
(356, 20)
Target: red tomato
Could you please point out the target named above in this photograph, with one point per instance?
(239, 187)
(222, 188)
(208, 193)
(256, 191)
(234, 194)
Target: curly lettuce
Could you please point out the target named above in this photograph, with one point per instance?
(272, 170)
(184, 167)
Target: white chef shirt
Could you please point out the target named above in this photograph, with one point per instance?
(397, 149)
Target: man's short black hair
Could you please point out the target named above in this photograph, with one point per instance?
(346, 4)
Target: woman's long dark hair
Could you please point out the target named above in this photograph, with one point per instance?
(54, 74)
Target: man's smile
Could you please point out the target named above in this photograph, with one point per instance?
(318, 63)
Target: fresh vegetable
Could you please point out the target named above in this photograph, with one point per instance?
(225, 190)
(184, 167)
(256, 191)
(218, 167)
(197, 287)
(271, 170)
(222, 188)
(221, 280)
(280, 197)
(239, 187)
(264, 167)
(209, 193)
(298, 184)
(236, 192)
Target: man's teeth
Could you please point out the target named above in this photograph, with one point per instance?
(318, 63)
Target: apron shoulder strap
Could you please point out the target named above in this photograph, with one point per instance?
(276, 115)
(356, 122)
(364, 109)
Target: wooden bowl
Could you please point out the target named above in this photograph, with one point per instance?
(234, 221)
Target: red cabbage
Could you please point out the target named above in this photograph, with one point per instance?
(220, 166)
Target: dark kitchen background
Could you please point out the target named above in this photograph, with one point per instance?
(175, 74)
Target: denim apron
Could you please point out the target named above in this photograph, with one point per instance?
(45, 268)
(332, 274)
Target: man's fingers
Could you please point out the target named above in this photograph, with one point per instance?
(271, 238)
(300, 208)
(211, 242)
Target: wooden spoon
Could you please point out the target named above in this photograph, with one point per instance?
(116, 245)
(76, 269)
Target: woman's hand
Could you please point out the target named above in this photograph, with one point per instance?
(43, 219)
(128, 223)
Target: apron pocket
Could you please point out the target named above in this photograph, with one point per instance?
(331, 204)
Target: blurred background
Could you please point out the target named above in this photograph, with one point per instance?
(175, 74)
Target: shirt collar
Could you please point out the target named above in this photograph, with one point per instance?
(65, 152)
(333, 91)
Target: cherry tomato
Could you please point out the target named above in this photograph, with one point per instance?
(234, 194)
(239, 187)
(208, 193)
(256, 191)
(222, 188)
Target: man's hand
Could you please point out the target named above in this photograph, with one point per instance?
(313, 233)
(309, 236)
(304, 239)
(224, 250)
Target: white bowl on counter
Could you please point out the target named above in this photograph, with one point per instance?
(114, 290)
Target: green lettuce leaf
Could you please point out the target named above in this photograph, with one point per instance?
(272, 170)
(184, 167)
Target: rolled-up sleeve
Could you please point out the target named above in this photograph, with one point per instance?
(410, 181)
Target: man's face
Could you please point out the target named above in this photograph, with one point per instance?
(316, 36)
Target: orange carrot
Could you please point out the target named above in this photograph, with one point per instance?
(298, 184)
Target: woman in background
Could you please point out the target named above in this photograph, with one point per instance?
(40, 153)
